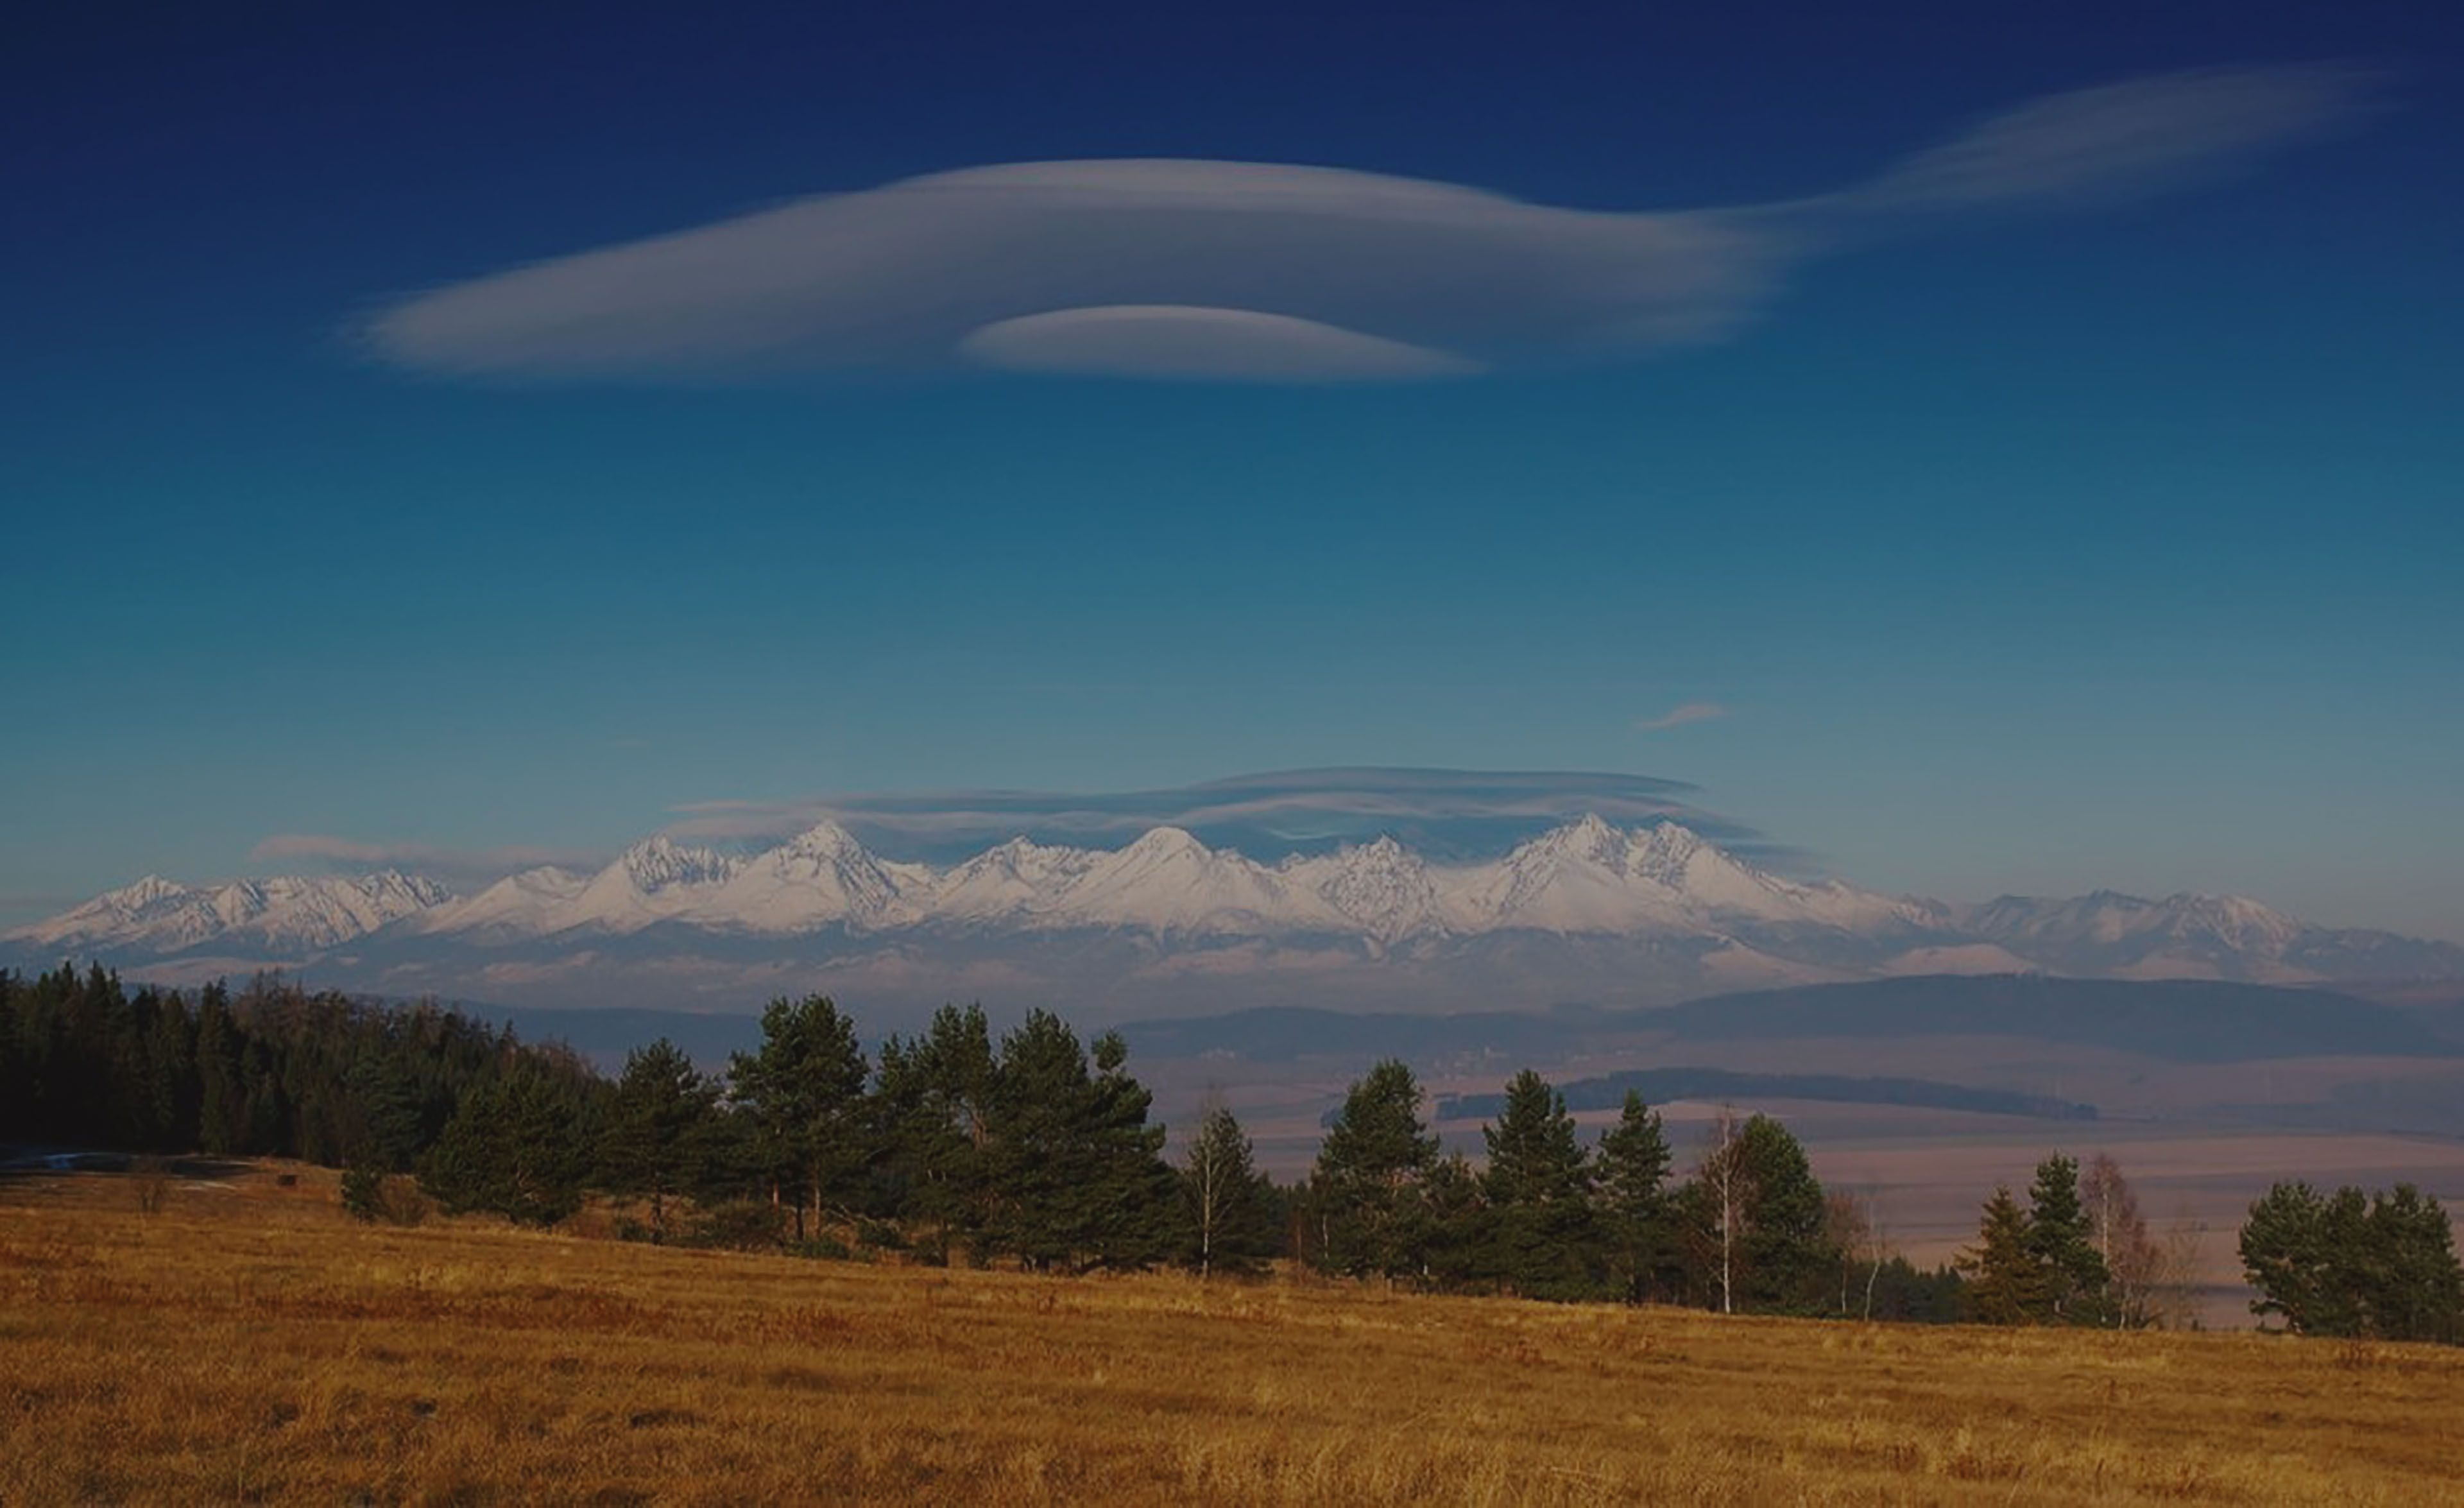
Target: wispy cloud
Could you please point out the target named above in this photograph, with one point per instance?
(2121, 141)
(1452, 813)
(1246, 272)
(1678, 716)
(454, 866)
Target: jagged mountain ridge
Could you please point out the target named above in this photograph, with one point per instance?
(1588, 891)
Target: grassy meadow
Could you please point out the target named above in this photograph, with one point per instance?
(248, 1343)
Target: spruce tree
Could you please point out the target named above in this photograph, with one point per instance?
(1788, 1250)
(803, 1091)
(932, 1110)
(2060, 1239)
(1367, 1189)
(2414, 1286)
(657, 1143)
(1076, 1170)
(1639, 1221)
(2005, 1281)
(515, 1148)
(1540, 1236)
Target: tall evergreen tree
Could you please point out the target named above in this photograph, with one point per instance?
(1367, 1189)
(803, 1091)
(1789, 1256)
(2416, 1288)
(2005, 1281)
(658, 1141)
(2062, 1241)
(1540, 1235)
(515, 1147)
(2379, 1266)
(222, 1094)
(1637, 1217)
(933, 1110)
(1077, 1173)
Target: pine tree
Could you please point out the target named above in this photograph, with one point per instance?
(2005, 1281)
(1367, 1189)
(932, 1110)
(1638, 1220)
(658, 1141)
(515, 1148)
(804, 1092)
(2379, 1266)
(1076, 1171)
(1540, 1235)
(2284, 1254)
(1788, 1253)
(2416, 1289)
(222, 1098)
(2059, 1238)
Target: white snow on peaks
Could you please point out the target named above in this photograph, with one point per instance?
(649, 882)
(283, 913)
(1168, 881)
(1583, 884)
(821, 878)
(1016, 882)
(1589, 877)
(1382, 889)
(526, 904)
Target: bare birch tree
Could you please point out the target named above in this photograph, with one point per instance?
(2119, 1234)
(1727, 1181)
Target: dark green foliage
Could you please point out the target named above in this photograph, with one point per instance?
(1229, 1213)
(1539, 1233)
(2059, 1238)
(657, 1144)
(276, 1071)
(1637, 1217)
(1907, 1294)
(1754, 1232)
(2006, 1283)
(2379, 1266)
(1788, 1249)
(1367, 1195)
(803, 1097)
(1078, 1175)
(364, 1193)
(1454, 1248)
(932, 1110)
(515, 1147)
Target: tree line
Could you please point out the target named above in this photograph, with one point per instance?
(1038, 1150)
(271, 1072)
(2353, 1265)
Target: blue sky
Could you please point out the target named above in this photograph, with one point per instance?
(2020, 547)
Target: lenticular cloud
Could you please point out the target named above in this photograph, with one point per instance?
(1261, 272)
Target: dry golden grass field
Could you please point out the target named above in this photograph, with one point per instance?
(250, 1344)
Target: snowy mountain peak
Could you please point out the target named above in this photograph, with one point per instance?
(152, 890)
(824, 840)
(656, 863)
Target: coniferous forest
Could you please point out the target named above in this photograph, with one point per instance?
(1037, 1150)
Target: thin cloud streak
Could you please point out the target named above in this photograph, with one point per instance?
(452, 865)
(1678, 716)
(1241, 272)
(1444, 814)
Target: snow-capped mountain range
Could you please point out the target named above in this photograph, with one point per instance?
(1645, 912)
